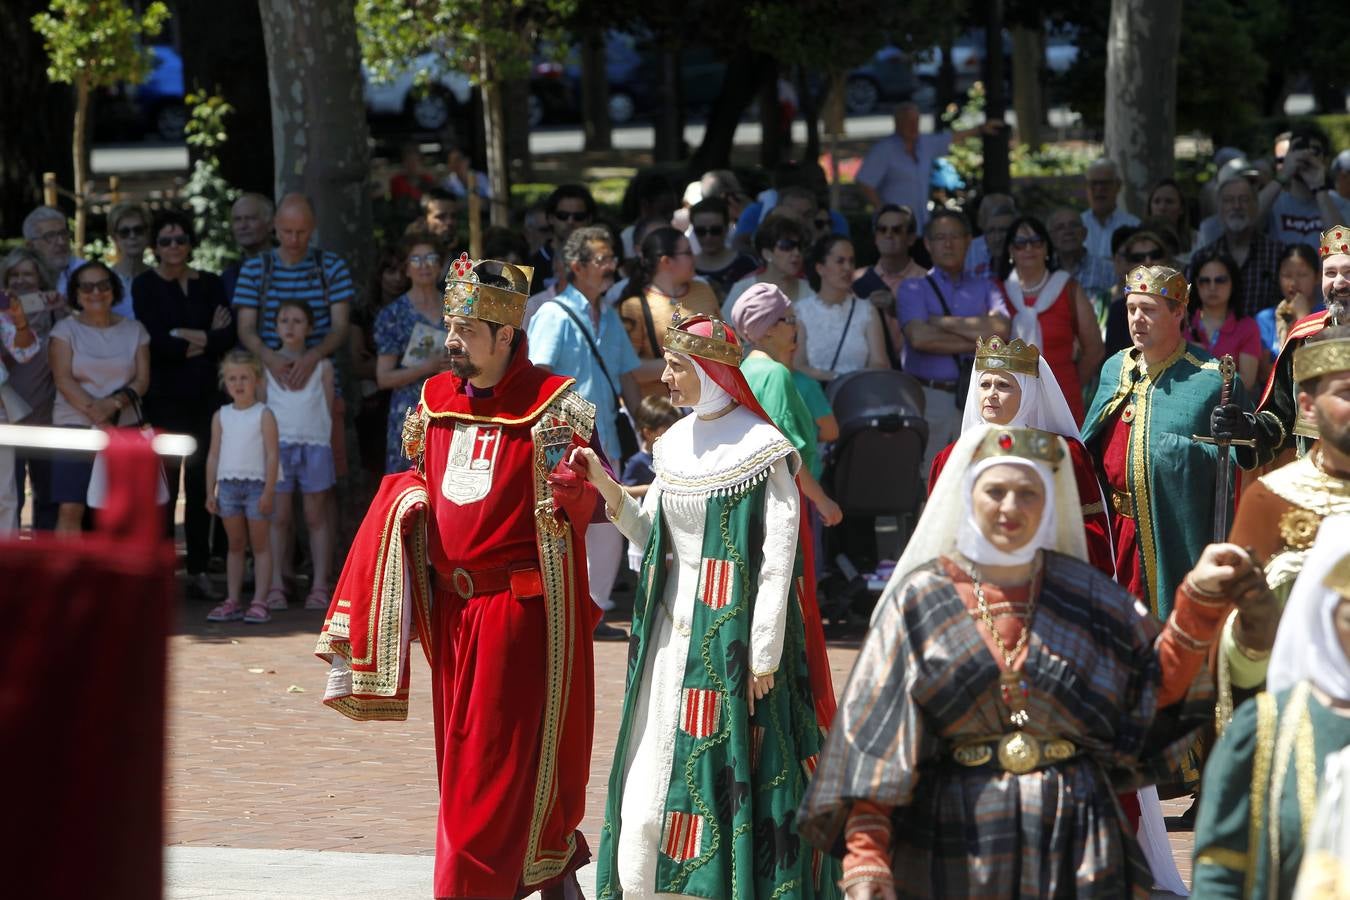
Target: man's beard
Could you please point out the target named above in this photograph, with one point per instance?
(1336, 308)
(1333, 433)
(1235, 222)
(463, 367)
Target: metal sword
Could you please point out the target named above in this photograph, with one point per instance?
(1223, 471)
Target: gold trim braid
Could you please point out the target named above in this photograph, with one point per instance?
(1266, 715)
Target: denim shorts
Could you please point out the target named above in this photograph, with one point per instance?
(307, 468)
(239, 497)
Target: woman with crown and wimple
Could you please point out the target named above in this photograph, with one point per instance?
(1006, 691)
(1013, 386)
(728, 692)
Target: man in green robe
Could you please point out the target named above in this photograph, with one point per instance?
(1151, 400)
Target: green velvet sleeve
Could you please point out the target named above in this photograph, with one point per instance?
(1222, 827)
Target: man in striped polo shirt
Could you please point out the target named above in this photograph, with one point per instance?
(293, 270)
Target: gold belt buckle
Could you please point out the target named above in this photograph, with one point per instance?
(1122, 503)
(1019, 752)
(462, 582)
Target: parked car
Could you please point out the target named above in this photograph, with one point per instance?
(427, 104)
(888, 75)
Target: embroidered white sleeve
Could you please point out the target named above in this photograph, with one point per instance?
(782, 515)
(634, 521)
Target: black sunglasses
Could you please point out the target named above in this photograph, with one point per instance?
(1217, 279)
(128, 231)
(90, 287)
(571, 216)
(170, 240)
(1023, 243)
(1146, 256)
(885, 230)
(787, 245)
(710, 230)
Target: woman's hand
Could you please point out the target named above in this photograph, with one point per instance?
(830, 513)
(103, 410)
(760, 685)
(221, 318)
(585, 458)
(264, 503)
(870, 890)
(212, 506)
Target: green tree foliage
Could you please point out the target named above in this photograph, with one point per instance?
(92, 44)
(207, 192)
(1221, 76)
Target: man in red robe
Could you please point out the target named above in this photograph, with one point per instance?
(508, 626)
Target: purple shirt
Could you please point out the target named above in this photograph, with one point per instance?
(915, 300)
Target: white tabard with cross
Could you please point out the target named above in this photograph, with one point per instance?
(471, 461)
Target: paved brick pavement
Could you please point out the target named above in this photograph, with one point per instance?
(256, 761)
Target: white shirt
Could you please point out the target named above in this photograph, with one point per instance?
(242, 457)
(303, 416)
(1098, 241)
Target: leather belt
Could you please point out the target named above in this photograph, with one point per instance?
(1018, 752)
(936, 385)
(1123, 504)
(521, 578)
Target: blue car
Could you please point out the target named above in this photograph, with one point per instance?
(159, 99)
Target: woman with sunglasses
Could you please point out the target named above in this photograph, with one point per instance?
(187, 315)
(1217, 320)
(410, 340)
(1050, 310)
(101, 364)
(663, 287)
(894, 231)
(129, 231)
(719, 263)
(780, 242)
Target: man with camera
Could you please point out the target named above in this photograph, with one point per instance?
(1298, 205)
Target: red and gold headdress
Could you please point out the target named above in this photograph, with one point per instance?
(488, 289)
(1028, 443)
(1335, 240)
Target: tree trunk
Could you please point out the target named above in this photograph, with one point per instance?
(79, 147)
(1028, 100)
(811, 102)
(515, 95)
(35, 116)
(320, 140)
(997, 179)
(770, 118)
(595, 124)
(669, 132)
(738, 89)
(494, 140)
(228, 56)
(1141, 93)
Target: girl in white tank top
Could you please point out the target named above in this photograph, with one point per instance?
(241, 480)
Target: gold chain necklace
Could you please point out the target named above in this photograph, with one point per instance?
(1012, 685)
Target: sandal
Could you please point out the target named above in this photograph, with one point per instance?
(317, 599)
(276, 599)
(257, 613)
(229, 611)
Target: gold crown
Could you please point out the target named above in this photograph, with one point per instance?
(1158, 281)
(1338, 579)
(1317, 358)
(1335, 240)
(503, 302)
(1014, 356)
(1029, 443)
(719, 345)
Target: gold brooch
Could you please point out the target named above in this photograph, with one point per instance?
(1128, 415)
(1019, 753)
(1298, 528)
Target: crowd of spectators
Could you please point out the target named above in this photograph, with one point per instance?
(138, 339)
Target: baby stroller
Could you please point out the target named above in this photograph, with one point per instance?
(872, 470)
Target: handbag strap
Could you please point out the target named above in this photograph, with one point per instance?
(946, 311)
(595, 352)
(843, 336)
(651, 325)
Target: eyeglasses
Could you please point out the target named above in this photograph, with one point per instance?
(601, 261)
(888, 230)
(52, 236)
(948, 238)
(170, 240)
(95, 287)
(787, 245)
(1022, 243)
(424, 259)
(1154, 255)
(562, 216)
(710, 230)
(1217, 279)
(131, 231)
